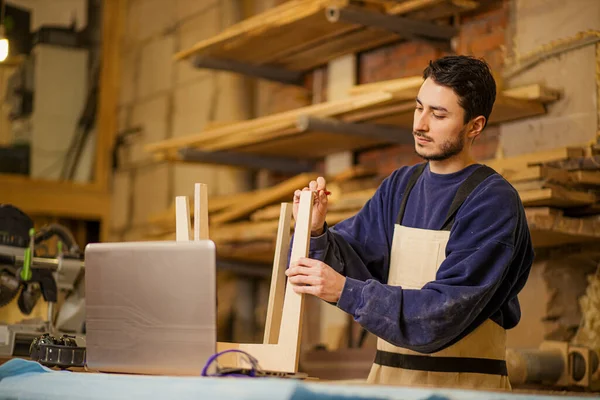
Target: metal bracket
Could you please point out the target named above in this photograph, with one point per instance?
(257, 71)
(252, 161)
(386, 133)
(405, 27)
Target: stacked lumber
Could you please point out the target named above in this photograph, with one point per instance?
(560, 189)
(385, 103)
(299, 35)
(244, 226)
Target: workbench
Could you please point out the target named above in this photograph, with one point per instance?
(25, 379)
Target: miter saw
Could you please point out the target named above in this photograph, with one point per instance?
(27, 276)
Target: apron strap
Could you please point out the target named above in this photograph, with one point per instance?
(442, 364)
(411, 182)
(465, 189)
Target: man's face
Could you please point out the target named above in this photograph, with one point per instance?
(438, 125)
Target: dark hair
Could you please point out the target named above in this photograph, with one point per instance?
(470, 78)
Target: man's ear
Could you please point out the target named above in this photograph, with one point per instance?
(476, 126)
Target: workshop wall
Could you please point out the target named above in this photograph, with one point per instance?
(165, 99)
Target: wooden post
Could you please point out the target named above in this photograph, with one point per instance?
(200, 212)
(182, 219)
(280, 262)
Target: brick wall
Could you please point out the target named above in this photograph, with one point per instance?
(482, 34)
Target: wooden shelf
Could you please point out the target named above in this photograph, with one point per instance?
(549, 227)
(373, 114)
(299, 35)
(54, 198)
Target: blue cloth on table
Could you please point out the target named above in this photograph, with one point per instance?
(24, 380)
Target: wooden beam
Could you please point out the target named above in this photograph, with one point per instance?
(277, 288)
(113, 17)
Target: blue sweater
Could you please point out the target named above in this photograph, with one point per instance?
(488, 259)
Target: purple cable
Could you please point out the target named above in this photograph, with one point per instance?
(252, 361)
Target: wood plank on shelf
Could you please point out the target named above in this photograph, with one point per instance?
(298, 36)
(389, 103)
(549, 227)
(556, 197)
(264, 126)
(514, 164)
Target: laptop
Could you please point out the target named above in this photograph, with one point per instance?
(150, 307)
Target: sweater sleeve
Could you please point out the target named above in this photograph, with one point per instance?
(359, 247)
(480, 251)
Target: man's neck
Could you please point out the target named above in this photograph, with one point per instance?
(451, 165)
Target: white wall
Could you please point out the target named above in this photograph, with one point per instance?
(171, 99)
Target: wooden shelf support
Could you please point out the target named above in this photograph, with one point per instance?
(246, 160)
(405, 27)
(388, 133)
(267, 72)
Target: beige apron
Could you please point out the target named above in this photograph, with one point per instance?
(415, 258)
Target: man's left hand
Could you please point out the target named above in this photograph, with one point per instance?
(317, 278)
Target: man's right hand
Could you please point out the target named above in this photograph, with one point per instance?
(319, 207)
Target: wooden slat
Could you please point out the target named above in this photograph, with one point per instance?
(200, 212)
(277, 288)
(276, 193)
(182, 219)
(291, 321)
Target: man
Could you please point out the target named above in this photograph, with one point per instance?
(433, 263)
